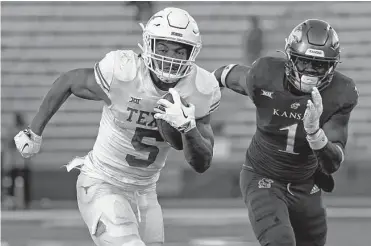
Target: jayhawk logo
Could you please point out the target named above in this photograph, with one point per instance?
(265, 183)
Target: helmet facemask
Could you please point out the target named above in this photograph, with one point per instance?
(306, 72)
(168, 69)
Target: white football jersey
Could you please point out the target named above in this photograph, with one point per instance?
(129, 149)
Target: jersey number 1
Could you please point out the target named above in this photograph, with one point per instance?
(290, 142)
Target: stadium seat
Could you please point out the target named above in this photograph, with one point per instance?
(72, 9)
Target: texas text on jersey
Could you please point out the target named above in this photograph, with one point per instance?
(279, 148)
(129, 148)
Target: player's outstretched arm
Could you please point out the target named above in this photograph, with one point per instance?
(234, 77)
(198, 145)
(81, 83)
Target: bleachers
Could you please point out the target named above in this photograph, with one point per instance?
(41, 40)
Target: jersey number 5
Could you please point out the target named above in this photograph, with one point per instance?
(139, 146)
(290, 142)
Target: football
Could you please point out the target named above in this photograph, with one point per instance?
(171, 135)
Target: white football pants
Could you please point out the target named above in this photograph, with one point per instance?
(118, 217)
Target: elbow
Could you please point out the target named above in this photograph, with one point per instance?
(202, 166)
(65, 81)
(330, 158)
(76, 77)
(331, 167)
(201, 169)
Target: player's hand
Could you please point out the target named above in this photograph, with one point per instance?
(313, 112)
(176, 114)
(28, 143)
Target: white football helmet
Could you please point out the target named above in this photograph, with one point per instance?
(171, 24)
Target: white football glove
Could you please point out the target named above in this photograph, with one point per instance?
(313, 112)
(28, 143)
(176, 114)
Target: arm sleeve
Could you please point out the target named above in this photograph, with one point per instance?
(104, 71)
(215, 100)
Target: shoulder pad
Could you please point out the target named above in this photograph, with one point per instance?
(127, 64)
(205, 81)
(208, 88)
(103, 71)
(348, 89)
(341, 94)
(267, 67)
(266, 73)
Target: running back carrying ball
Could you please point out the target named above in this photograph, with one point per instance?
(171, 135)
